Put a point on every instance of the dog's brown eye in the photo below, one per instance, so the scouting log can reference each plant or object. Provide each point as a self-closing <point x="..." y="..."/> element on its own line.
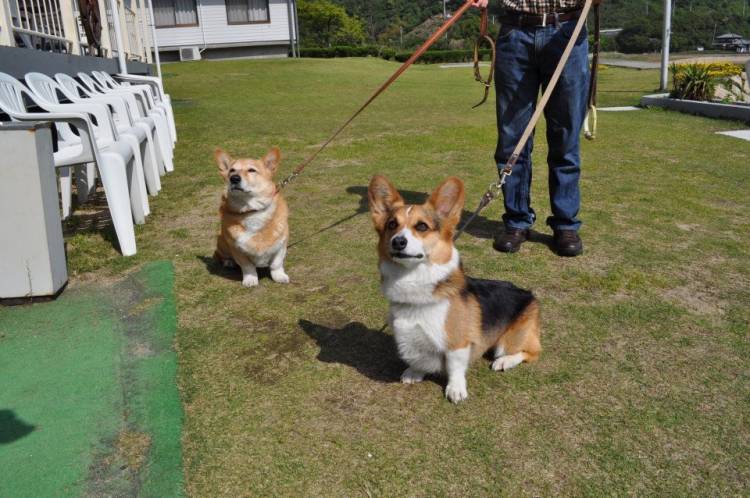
<point x="251" y="170"/>
<point x="392" y="224"/>
<point x="421" y="226"/>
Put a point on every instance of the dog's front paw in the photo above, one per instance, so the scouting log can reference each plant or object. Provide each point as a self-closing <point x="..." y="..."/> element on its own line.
<point x="456" y="391"/>
<point x="507" y="362"/>
<point x="279" y="276"/>
<point x="249" y="280"/>
<point x="411" y="376"/>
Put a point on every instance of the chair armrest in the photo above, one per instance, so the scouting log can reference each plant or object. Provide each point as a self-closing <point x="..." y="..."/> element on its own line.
<point x="98" y="110"/>
<point x="79" y="120"/>
<point x="149" y="80"/>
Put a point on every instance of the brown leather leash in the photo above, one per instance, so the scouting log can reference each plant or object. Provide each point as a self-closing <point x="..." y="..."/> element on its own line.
<point x="484" y="37"/>
<point x="493" y="191"/>
<point x="416" y="55"/>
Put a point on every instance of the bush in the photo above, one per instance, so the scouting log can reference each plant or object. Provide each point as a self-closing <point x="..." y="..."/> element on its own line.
<point x="343" y="51"/>
<point x="699" y="81"/>
<point x="442" y="56"/>
<point x="429" y="57"/>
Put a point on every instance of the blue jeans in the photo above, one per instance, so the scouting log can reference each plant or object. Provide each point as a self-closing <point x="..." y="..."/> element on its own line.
<point x="526" y="59"/>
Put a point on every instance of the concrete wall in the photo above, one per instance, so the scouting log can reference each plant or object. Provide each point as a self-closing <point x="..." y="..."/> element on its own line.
<point x="708" y="109"/>
<point x="244" y="52"/>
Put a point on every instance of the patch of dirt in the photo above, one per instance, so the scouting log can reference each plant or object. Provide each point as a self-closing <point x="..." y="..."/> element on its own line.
<point x="141" y="350"/>
<point x="701" y="302"/>
<point x="132" y="447"/>
<point x="268" y="363"/>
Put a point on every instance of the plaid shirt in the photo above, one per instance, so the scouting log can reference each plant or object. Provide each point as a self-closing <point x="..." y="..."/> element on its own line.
<point x="541" y="6"/>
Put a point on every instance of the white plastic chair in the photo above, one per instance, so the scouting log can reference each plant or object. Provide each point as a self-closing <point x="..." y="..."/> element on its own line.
<point x="125" y="123"/>
<point x="107" y="83"/>
<point x="45" y="89"/>
<point x="159" y="92"/>
<point x="138" y="103"/>
<point x="153" y="93"/>
<point x="136" y="108"/>
<point x="111" y="161"/>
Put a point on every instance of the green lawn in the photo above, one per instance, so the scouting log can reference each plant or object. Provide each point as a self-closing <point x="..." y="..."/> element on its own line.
<point x="643" y="386"/>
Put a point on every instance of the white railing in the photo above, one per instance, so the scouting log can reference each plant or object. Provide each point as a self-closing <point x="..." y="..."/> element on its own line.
<point x="39" y="24"/>
<point x="56" y="26"/>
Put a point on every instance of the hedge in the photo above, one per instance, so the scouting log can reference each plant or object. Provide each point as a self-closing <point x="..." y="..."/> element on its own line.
<point x="429" y="57"/>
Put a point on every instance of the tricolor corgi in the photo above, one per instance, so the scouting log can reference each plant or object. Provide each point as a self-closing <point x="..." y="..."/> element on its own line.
<point x="442" y="319"/>
<point x="254" y="227"/>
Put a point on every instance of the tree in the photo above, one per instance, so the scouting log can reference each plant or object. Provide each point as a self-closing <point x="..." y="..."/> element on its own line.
<point x="323" y="24"/>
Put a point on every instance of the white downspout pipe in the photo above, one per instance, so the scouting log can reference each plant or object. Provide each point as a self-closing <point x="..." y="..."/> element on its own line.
<point x="296" y="25"/>
<point x="154" y="43"/>
<point x="291" y="27"/>
<point x="666" y="36"/>
<point x="118" y="36"/>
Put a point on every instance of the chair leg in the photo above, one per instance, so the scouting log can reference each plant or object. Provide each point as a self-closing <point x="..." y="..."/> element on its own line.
<point x="85" y="181"/>
<point x="170" y="118"/>
<point x="150" y="168"/>
<point x="66" y="190"/>
<point x="137" y="182"/>
<point x="164" y="141"/>
<point x="155" y="152"/>
<point x="113" y="173"/>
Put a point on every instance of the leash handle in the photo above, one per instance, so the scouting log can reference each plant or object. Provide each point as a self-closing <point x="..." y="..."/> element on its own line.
<point x="589" y="124"/>
<point x="411" y="60"/>
<point x="484" y="37"/>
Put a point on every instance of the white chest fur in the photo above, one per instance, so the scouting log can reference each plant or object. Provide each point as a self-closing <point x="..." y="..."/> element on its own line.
<point x="416" y="315"/>
<point x="252" y="224"/>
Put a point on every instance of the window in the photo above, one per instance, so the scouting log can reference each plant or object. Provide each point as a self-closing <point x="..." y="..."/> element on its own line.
<point x="175" y="13"/>
<point x="247" y="11"/>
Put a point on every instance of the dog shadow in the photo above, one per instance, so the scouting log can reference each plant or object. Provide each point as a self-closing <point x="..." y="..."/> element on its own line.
<point x="369" y="351"/>
<point x="234" y="273"/>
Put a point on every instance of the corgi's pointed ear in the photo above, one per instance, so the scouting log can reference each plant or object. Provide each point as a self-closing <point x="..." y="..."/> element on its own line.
<point x="383" y="198"/>
<point x="272" y="159"/>
<point x="223" y="161"/>
<point x="448" y="200"/>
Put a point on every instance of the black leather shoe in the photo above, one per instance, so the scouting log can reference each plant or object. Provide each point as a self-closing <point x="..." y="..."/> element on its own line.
<point x="568" y="243"/>
<point x="510" y="240"/>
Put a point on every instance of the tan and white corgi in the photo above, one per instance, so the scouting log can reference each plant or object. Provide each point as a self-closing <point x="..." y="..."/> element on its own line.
<point x="442" y="319"/>
<point x="254" y="226"/>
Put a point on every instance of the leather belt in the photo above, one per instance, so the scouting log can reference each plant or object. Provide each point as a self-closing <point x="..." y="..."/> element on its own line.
<point x="524" y="20"/>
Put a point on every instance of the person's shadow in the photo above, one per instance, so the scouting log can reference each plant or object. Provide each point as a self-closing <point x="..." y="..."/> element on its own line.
<point x="12" y="428"/>
<point x="371" y="352"/>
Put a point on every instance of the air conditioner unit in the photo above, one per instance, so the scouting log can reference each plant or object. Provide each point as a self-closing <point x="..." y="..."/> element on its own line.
<point x="190" y="54"/>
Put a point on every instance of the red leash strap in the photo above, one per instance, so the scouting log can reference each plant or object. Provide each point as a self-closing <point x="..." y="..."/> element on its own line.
<point x="416" y="55"/>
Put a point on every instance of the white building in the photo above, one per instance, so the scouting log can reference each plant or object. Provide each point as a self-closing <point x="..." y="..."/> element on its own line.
<point x="224" y="28"/>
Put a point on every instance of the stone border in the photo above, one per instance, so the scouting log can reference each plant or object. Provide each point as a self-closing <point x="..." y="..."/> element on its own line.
<point x="708" y="109"/>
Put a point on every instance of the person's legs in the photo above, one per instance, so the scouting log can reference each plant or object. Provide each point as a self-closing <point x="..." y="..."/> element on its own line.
<point x="517" y="88"/>
<point x="564" y="114"/>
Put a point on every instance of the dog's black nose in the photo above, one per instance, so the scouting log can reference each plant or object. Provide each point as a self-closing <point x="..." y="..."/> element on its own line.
<point x="398" y="243"/>
<point x="235" y="179"/>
